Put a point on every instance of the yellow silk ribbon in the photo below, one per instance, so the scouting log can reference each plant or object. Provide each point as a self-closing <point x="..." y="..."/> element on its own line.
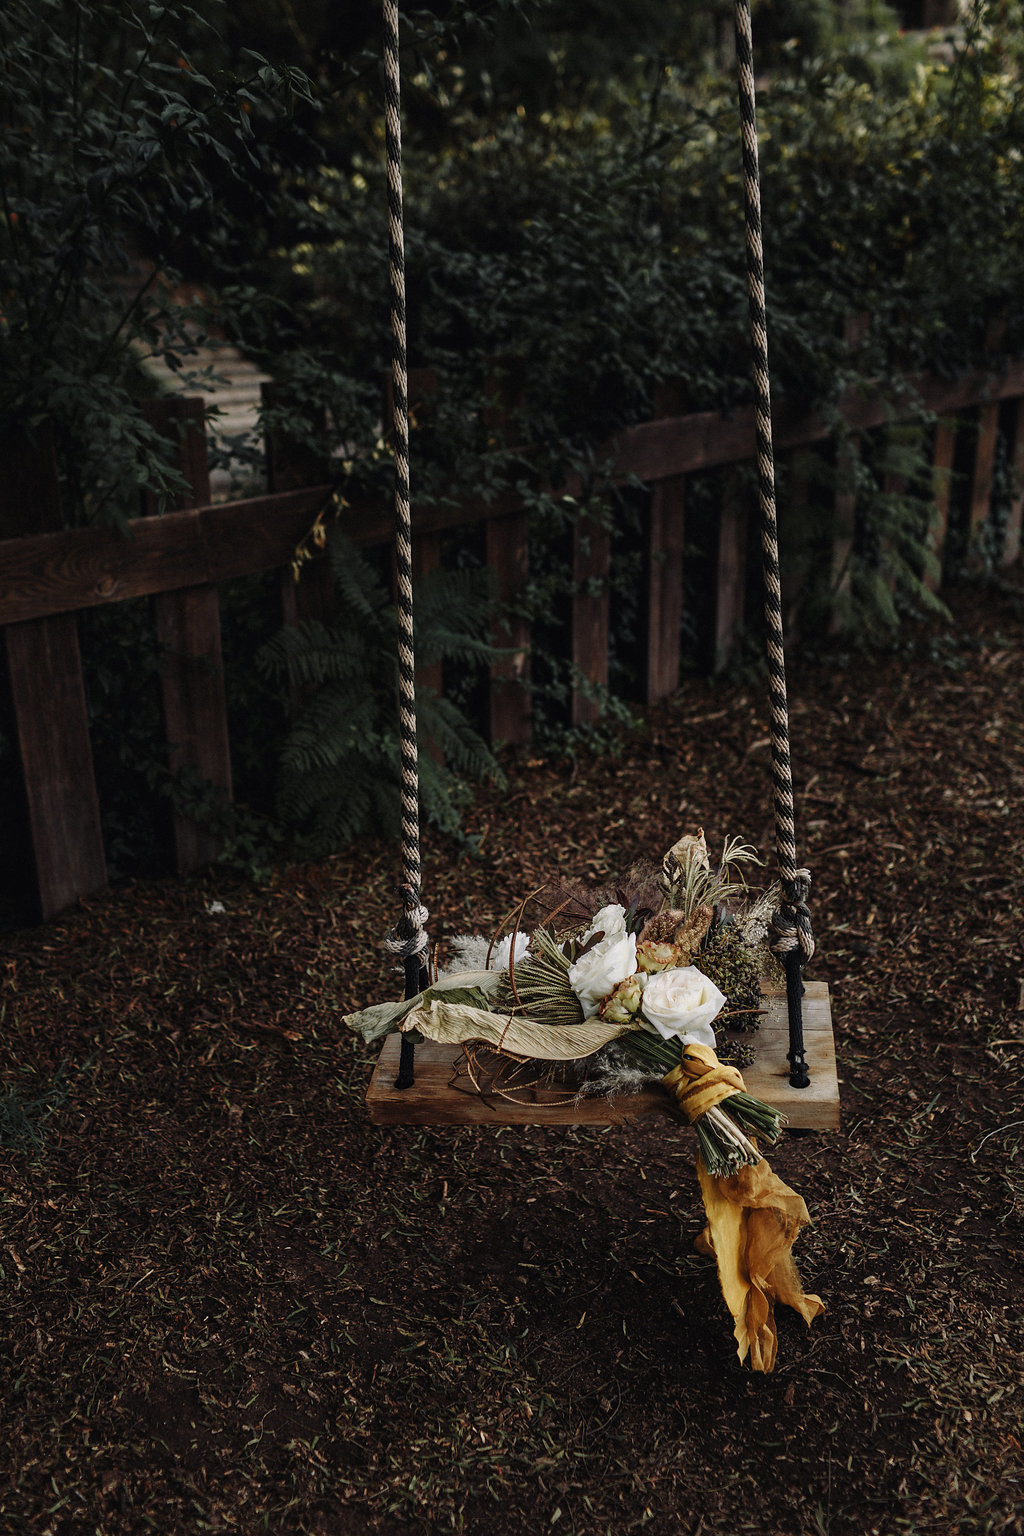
<point x="753" y="1220"/>
<point x="701" y="1081"/>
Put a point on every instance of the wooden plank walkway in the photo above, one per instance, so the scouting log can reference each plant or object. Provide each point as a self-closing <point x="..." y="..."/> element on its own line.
<point x="231" y="388"/>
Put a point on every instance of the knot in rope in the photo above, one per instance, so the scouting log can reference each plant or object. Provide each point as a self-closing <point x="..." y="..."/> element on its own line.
<point x="701" y="1081"/>
<point x="409" y="935"/>
<point x="791" y="924"/>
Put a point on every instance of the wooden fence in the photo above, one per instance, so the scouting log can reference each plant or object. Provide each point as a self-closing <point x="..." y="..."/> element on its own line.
<point x="180" y="558"/>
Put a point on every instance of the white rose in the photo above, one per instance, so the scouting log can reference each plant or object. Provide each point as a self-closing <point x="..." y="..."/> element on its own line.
<point x="600" y="970"/>
<point x="611" y="921"/>
<point x="682" y="1003"/>
<point x="500" y="958"/>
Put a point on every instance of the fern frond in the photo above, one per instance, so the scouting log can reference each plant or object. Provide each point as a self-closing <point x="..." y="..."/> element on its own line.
<point x="340" y="768"/>
<point x="440" y="792"/>
<point x="466" y="751"/>
<point x="386" y="797"/>
<point x="440" y="644"/>
<point x="301" y="797"/>
<point x="457" y="600"/>
<point x="340" y="817"/>
<point x="310" y="653"/>
<point x="359" y="587"/>
<point x="333" y="726"/>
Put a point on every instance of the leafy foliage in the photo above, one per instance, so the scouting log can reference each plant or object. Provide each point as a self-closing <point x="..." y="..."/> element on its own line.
<point x="567" y="259"/>
<point x="574" y="241"/>
<point x="340" y="766"/>
<point x="114" y="146"/>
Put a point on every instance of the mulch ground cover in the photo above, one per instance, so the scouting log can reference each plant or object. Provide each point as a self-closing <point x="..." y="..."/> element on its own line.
<point x="233" y="1305"/>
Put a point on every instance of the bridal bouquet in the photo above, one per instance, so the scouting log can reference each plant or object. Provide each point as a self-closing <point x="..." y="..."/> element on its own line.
<point x="626" y="984"/>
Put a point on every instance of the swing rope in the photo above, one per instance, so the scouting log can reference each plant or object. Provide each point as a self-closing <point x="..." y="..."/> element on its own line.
<point x="793" y="939"/>
<point x="408" y="938"/>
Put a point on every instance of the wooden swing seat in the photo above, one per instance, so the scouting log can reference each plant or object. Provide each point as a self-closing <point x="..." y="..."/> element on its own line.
<point x="434" y="1099"/>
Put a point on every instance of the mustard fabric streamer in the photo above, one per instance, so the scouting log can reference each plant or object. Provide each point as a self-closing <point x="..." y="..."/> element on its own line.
<point x="701" y="1082"/>
<point x="753" y="1221"/>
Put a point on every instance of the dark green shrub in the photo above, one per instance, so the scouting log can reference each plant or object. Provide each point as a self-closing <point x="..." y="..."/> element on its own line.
<point x="115" y="145"/>
<point x="340" y="763"/>
<point x="579" y="256"/>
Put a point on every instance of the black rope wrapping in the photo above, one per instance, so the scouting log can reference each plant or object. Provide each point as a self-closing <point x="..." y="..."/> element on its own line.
<point x="415" y="982"/>
<point x="408" y="937"/>
<point x="792" y="923"/>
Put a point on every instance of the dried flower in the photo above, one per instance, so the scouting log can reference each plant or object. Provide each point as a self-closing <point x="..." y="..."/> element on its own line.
<point x="654" y="955"/>
<point x="624" y="1003"/>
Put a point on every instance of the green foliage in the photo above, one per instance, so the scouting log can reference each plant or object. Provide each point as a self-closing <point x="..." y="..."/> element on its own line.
<point x="249" y="840"/>
<point x="114" y="145"/>
<point x="574" y="255"/>
<point x="574" y="206"/>
<point x="340" y="764"/>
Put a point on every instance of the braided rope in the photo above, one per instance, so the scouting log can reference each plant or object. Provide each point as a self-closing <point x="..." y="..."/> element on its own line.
<point x="792" y="923"/>
<point x="410" y="928"/>
<point x="409" y="935"/>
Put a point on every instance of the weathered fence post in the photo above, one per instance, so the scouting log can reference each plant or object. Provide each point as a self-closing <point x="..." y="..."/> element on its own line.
<point x="894" y="485"/>
<point x="188" y="633"/>
<point x="984" y="456"/>
<point x="508" y="555"/>
<point x="1012" y="540"/>
<point x="730" y="575"/>
<point x="591" y="563"/>
<point x="665" y="586"/>
<point x="48" y="696"/>
<point x="665" y="570"/>
<point x="507" y="552"/>
<point x="844" y="523"/>
<point x="943" y="454"/>
<point x="981" y="484"/>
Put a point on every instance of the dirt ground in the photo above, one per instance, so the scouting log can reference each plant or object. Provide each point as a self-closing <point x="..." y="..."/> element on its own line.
<point x="233" y="1305"/>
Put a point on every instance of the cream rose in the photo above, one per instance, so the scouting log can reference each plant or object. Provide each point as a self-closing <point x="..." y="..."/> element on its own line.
<point x="600" y="970"/>
<point x="610" y="921"/>
<point x="682" y="1003"/>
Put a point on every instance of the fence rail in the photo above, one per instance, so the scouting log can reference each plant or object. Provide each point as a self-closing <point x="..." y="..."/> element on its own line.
<point x="179" y="559"/>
